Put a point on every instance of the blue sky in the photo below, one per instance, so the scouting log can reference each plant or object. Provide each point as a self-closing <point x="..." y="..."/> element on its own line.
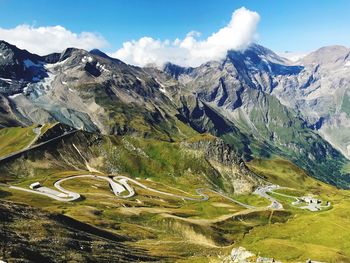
<point x="284" y="25"/>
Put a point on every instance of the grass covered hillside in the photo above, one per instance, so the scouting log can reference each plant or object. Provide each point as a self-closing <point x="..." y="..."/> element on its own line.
<point x="168" y="228"/>
<point x="321" y="236"/>
<point x="18" y="138"/>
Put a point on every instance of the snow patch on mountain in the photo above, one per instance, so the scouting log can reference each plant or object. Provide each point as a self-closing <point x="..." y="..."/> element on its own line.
<point x="102" y="67"/>
<point x="39" y="86"/>
<point x="15" y="95"/>
<point x="87" y="59"/>
<point x="6" y="80"/>
<point x="293" y="56"/>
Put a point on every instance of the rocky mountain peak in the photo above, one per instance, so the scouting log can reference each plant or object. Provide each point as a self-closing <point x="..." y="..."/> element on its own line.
<point x="175" y="70"/>
<point x="17" y="64"/>
<point x="327" y="55"/>
<point x="266" y="53"/>
<point x="68" y="52"/>
<point x="99" y="53"/>
<point x="11" y="53"/>
<point x="257" y="58"/>
<point x="249" y="97"/>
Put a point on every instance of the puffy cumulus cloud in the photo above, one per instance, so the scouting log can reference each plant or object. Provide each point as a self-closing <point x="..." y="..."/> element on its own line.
<point x="191" y="51"/>
<point x="45" y="40"/>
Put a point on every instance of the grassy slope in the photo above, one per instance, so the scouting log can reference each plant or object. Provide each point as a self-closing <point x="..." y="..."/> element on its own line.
<point x="283" y="173"/>
<point x="185" y="228"/>
<point x="194" y="230"/>
<point x="47" y="237"/>
<point x="321" y="236"/>
<point x="17" y="138"/>
<point x="278" y="131"/>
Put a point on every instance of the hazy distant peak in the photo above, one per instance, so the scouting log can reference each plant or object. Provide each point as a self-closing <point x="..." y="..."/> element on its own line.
<point x="293" y="56"/>
<point x="327" y="55"/>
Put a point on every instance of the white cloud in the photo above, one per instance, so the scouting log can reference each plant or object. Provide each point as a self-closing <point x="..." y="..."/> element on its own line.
<point x="293" y="56"/>
<point x="191" y="51"/>
<point x="45" y="40"/>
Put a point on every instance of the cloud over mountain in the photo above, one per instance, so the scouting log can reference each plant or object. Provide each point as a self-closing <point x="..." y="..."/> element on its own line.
<point x="44" y="40"/>
<point x="193" y="51"/>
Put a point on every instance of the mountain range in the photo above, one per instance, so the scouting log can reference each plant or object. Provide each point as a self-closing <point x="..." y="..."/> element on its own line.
<point x="261" y="104"/>
<point x="244" y="157"/>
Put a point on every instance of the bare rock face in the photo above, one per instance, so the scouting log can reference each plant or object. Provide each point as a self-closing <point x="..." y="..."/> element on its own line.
<point x="258" y="102"/>
<point x="86" y="90"/>
<point x="17" y="64"/>
<point x="230" y="166"/>
<point x="321" y="93"/>
<point x="273" y="106"/>
<point x="218" y="151"/>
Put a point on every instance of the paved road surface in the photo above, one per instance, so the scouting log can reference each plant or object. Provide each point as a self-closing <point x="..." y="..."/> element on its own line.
<point x="263" y="190"/>
<point x="56" y="197"/>
<point x="310" y="206"/>
<point x="203" y="197"/>
<point x="119" y="184"/>
<point x="233" y="200"/>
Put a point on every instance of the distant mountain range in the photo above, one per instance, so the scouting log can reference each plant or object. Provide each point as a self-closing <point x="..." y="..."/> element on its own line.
<point x="260" y="103"/>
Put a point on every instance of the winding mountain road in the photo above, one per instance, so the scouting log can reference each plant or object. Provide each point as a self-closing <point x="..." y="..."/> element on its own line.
<point x="263" y="192"/>
<point x="124" y="180"/>
<point x="119" y="184"/>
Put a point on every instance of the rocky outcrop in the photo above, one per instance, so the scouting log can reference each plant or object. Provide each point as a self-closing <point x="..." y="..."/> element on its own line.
<point x="237" y="177"/>
<point x="18" y="64"/>
<point x="218" y="151"/>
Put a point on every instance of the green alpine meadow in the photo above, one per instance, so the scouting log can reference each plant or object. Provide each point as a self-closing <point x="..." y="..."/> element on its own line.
<point x="149" y="131"/>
